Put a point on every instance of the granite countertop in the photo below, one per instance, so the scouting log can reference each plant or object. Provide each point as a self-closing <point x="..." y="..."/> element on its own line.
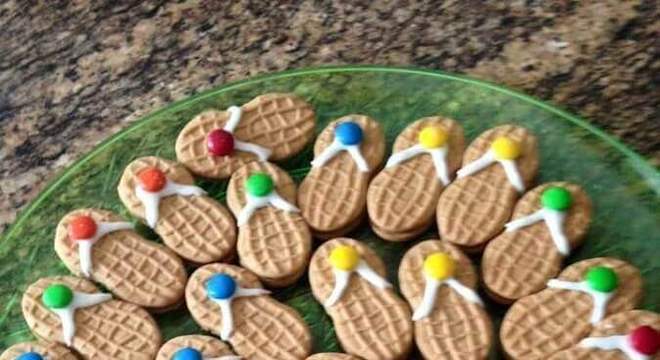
<point x="73" y="73"/>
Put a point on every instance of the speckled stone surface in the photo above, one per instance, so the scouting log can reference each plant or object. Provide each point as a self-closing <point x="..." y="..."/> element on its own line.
<point x="73" y="73"/>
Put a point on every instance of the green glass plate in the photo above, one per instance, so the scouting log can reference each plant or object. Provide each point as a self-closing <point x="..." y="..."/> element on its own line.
<point x="624" y="188"/>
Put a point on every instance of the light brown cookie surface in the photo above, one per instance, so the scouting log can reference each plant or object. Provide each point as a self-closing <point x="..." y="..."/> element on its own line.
<point x="113" y="329"/>
<point x="197" y="228"/>
<point x="402" y="199"/>
<point x="456" y="328"/>
<point x="132" y="268"/>
<point x="283" y="123"/>
<point x="262" y="327"/>
<point x="369" y="322"/>
<point x="551" y="320"/>
<point x="332" y="197"/>
<point x="46" y="350"/>
<point x="208" y="346"/>
<point x="520" y="262"/>
<point x="473" y="209"/>
<point x="274" y="244"/>
<point x="332" y="356"/>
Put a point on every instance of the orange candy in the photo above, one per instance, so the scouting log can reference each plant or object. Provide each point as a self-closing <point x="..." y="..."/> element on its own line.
<point x="152" y="179"/>
<point x="82" y="227"/>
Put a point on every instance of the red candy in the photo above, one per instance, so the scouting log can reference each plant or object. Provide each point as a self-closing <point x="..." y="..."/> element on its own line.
<point x="220" y="142"/>
<point x="152" y="179"/>
<point x="645" y="340"/>
<point x="82" y="227"/>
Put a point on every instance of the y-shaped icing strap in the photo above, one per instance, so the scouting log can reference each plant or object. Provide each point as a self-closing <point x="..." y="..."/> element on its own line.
<point x="432" y="140"/>
<point x="63" y="301"/>
<point x="85" y="244"/>
<point x="260" y="192"/>
<point x="348" y="137"/>
<point x="234" y="118"/>
<point x="222" y="289"/>
<point x="504" y="151"/>
<point x="616" y="342"/>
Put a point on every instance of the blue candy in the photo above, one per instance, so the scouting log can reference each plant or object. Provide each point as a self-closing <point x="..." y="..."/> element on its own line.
<point x="348" y="133"/>
<point x="31" y="356"/>
<point x="187" y="353"/>
<point x="220" y="286"/>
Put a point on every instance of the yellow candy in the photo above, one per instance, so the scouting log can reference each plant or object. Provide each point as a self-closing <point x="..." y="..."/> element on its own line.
<point x="505" y="148"/>
<point x="344" y="257"/>
<point x="439" y="266"/>
<point x="432" y="137"/>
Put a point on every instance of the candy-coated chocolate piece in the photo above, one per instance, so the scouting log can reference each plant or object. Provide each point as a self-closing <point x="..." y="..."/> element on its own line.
<point x="440" y="266"/>
<point x="432" y="137"/>
<point x="220" y="142"/>
<point x="30" y="356"/>
<point x="505" y="148"/>
<point x="556" y="198"/>
<point x="645" y="340"/>
<point x="349" y="133"/>
<point x="221" y="286"/>
<point x="57" y="296"/>
<point x="601" y="278"/>
<point x="259" y="184"/>
<point x="187" y="354"/>
<point x="344" y="258"/>
<point x="152" y="179"/>
<point x="82" y="227"/>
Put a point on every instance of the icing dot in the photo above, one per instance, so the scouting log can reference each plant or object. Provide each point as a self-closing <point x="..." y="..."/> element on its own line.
<point x="187" y="353"/>
<point x="82" y="227"/>
<point x="348" y="133"/>
<point x="259" y="184"/>
<point x="432" y="137"/>
<point x="344" y="257"/>
<point x="221" y="286"/>
<point x="645" y="340"/>
<point x="30" y="356"/>
<point x="220" y="142"/>
<point x="601" y="278"/>
<point x="152" y="179"/>
<point x="57" y="296"/>
<point x="505" y="148"/>
<point x="556" y="198"/>
<point x="440" y="266"/>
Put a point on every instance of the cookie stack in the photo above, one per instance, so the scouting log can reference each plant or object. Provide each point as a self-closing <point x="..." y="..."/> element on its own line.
<point x="272" y="232"/>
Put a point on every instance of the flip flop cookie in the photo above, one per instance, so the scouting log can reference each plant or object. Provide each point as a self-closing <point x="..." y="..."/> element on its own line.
<point x="556" y="318"/>
<point x="100" y="246"/>
<point x="195" y="347"/>
<point x="270" y="127"/>
<point x="547" y="223"/>
<point x="402" y="198"/>
<point x="332" y="356"/>
<point x="371" y="321"/>
<point x="162" y="193"/>
<point x="71" y="311"/>
<point x="497" y="167"/>
<point x="37" y="351"/>
<point x="230" y="302"/>
<point x="333" y="196"/>
<point x="439" y="282"/>
<point x="274" y="241"/>
<point x="630" y="335"/>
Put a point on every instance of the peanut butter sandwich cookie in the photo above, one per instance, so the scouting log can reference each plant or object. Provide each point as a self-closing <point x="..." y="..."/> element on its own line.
<point x="629" y="335"/>
<point x="402" y="198"/>
<point x="37" y="351"/>
<point x="547" y="223"/>
<point x="274" y="242"/>
<point x="332" y="356"/>
<point x="163" y="194"/>
<point x="558" y="317"/>
<point x="440" y="283"/>
<point x="98" y="245"/>
<point x="333" y="195"/>
<point x="497" y="168"/>
<point x="370" y="319"/>
<point x="71" y="311"/>
<point x="230" y="302"/>
<point x="270" y="127"/>
<point x="196" y="347"/>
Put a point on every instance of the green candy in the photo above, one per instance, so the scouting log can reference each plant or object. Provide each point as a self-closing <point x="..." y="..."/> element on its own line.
<point x="556" y="198"/>
<point x="601" y="278"/>
<point x="57" y="296"/>
<point x="259" y="184"/>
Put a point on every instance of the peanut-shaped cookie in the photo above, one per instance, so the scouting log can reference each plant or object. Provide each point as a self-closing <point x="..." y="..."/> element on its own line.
<point x="195" y="347"/>
<point x="37" y="351"/>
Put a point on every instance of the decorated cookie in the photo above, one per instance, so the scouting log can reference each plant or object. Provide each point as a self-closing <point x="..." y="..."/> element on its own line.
<point x="273" y="240"/>
<point x="629" y="335"/>
<point x="402" y="198"/>
<point x="558" y="317"/>
<point x="269" y="127"/>
<point x="230" y="302"/>
<point x="37" y="351"/>
<point x="440" y="284"/>
<point x="195" y="347"/>
<point x="72" y="311"/>
<point x="497" y="168"/>
<point x="547" y="223"/>
<point x="347" y="153"/>
<point x="162" y="193"/>
<point x="370" y="319"/>
<point x="332" y="356"/>
<point x="99" y="245"/>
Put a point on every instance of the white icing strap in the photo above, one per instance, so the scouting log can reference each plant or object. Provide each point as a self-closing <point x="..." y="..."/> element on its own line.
<point x="616" y="342"/>
<point x="225" y="308"/>
<point x="487" y="159"/>
<point x="431" y="291"/>
<point x="335" y="148"/>
<point x="261" y="152"/>
<point x="600" y="299"/>
<point x="66" y="315"/>
<point x="256" y="202"/>
<point x="553" y="219"/>
<point x="342" y="278"/>
<point x="438" y="156"/>
<point x="85" y="245"/>
<point x="151" y="200"/>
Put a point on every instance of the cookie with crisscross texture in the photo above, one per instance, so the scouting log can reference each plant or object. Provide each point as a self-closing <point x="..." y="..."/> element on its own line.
<point x="32" y="350"/>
